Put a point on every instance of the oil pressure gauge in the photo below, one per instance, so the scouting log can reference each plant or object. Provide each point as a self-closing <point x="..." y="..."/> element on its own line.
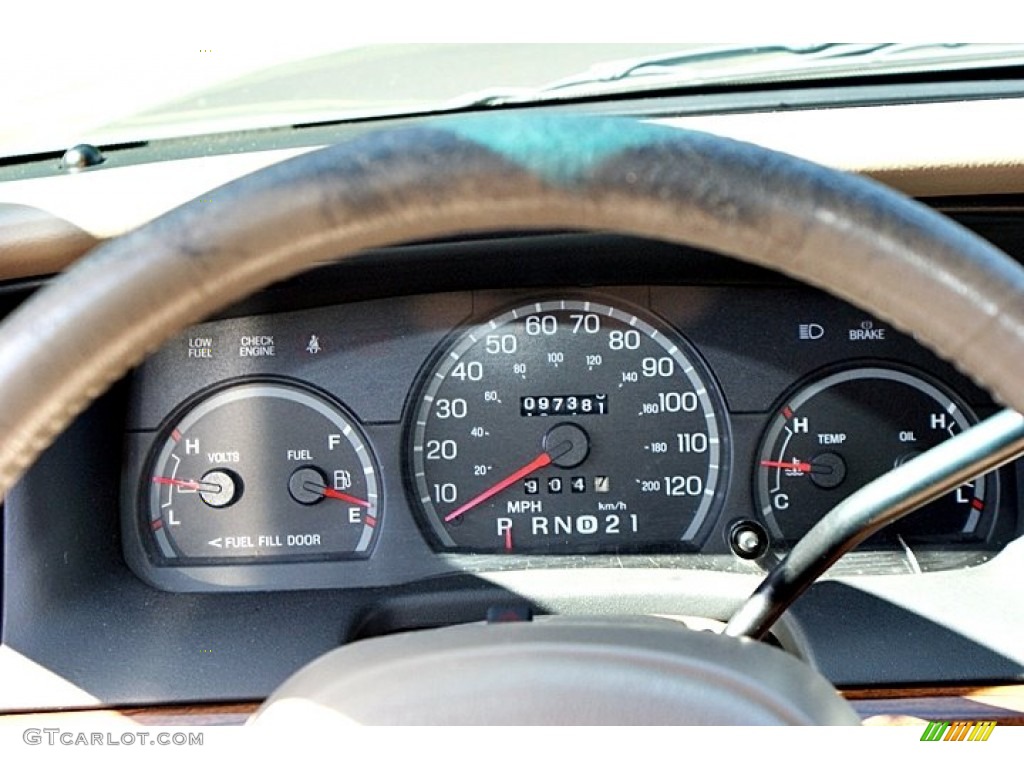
<point x="842" y="430"/>
<point x="261" y="471"/>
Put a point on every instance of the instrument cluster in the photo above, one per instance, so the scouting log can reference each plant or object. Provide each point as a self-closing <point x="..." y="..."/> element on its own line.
<point x="396" y="439"/>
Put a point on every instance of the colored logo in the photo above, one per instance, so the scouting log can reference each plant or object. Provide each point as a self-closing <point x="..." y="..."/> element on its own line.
<point x="958" y="731"/>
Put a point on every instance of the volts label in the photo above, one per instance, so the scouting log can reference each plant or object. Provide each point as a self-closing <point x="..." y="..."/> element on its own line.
<point x="224" y="457"/>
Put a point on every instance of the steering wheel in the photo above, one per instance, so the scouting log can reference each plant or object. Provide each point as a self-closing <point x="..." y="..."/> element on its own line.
<point x="862" y="242"/>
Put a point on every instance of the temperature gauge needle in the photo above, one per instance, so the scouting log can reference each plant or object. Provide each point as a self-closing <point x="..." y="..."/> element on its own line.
<point x="538" y="463"/>
<point x="330" y="493"/>
<point x="799" y="466"/>
<point x="818" y="469"/>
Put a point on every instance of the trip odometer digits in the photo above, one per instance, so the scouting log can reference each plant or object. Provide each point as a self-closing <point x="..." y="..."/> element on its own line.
<point x="568" y="426"/>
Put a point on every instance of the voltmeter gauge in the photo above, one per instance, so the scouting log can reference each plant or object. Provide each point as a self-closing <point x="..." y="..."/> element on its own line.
<point x="261" y="471"/>
<point x="842" y="430"/>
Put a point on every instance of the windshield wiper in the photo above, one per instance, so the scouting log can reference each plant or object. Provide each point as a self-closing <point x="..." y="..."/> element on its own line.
<point x="711" y="65"/>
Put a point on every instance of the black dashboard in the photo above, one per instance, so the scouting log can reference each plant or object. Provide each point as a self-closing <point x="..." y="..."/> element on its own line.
<point x="222" y="421"/>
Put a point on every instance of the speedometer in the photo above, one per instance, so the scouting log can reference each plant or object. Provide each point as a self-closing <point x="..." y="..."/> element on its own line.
<point x="568" y="426"/>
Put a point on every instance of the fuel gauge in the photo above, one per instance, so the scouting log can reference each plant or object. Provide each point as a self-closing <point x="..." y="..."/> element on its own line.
<point x="843" y="430"/>
<point x="261" y="471"/>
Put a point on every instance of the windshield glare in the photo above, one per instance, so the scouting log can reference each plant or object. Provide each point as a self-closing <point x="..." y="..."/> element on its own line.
<point x="109" y="100"/>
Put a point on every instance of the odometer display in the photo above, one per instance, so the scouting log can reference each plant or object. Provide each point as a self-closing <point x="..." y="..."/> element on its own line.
<point x="563" y="405"/>
<point x="567" y="427"/>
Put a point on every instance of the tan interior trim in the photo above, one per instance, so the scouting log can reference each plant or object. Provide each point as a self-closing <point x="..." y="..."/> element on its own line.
<point x="924" y="150"/>
<point x="107" y="202"/>
<point x="34" y="242"/>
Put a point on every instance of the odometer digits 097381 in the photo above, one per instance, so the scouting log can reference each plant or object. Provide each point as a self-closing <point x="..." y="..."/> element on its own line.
<point x="568" y="426"/>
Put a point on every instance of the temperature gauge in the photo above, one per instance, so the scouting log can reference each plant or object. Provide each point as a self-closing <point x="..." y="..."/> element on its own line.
<point x="841" y="431"/>
<point x="261" y="471"/>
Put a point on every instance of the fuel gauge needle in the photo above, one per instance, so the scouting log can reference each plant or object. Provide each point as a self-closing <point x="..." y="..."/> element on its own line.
<point x="330" y="493"/>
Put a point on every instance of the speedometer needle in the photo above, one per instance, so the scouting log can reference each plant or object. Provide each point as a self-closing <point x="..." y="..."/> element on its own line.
<point x="538" y="463"/>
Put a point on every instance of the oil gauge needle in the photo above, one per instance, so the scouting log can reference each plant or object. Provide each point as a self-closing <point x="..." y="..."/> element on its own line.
<point x="540" y="462"/>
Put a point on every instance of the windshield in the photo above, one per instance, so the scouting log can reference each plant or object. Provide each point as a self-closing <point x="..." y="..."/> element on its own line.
<point x="112" y="100"/>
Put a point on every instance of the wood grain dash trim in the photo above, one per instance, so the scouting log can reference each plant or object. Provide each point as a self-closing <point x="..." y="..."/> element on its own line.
<point x="913" y="706"/>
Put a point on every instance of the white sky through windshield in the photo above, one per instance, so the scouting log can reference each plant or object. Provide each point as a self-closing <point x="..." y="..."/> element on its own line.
<point x="69" y="71"/>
